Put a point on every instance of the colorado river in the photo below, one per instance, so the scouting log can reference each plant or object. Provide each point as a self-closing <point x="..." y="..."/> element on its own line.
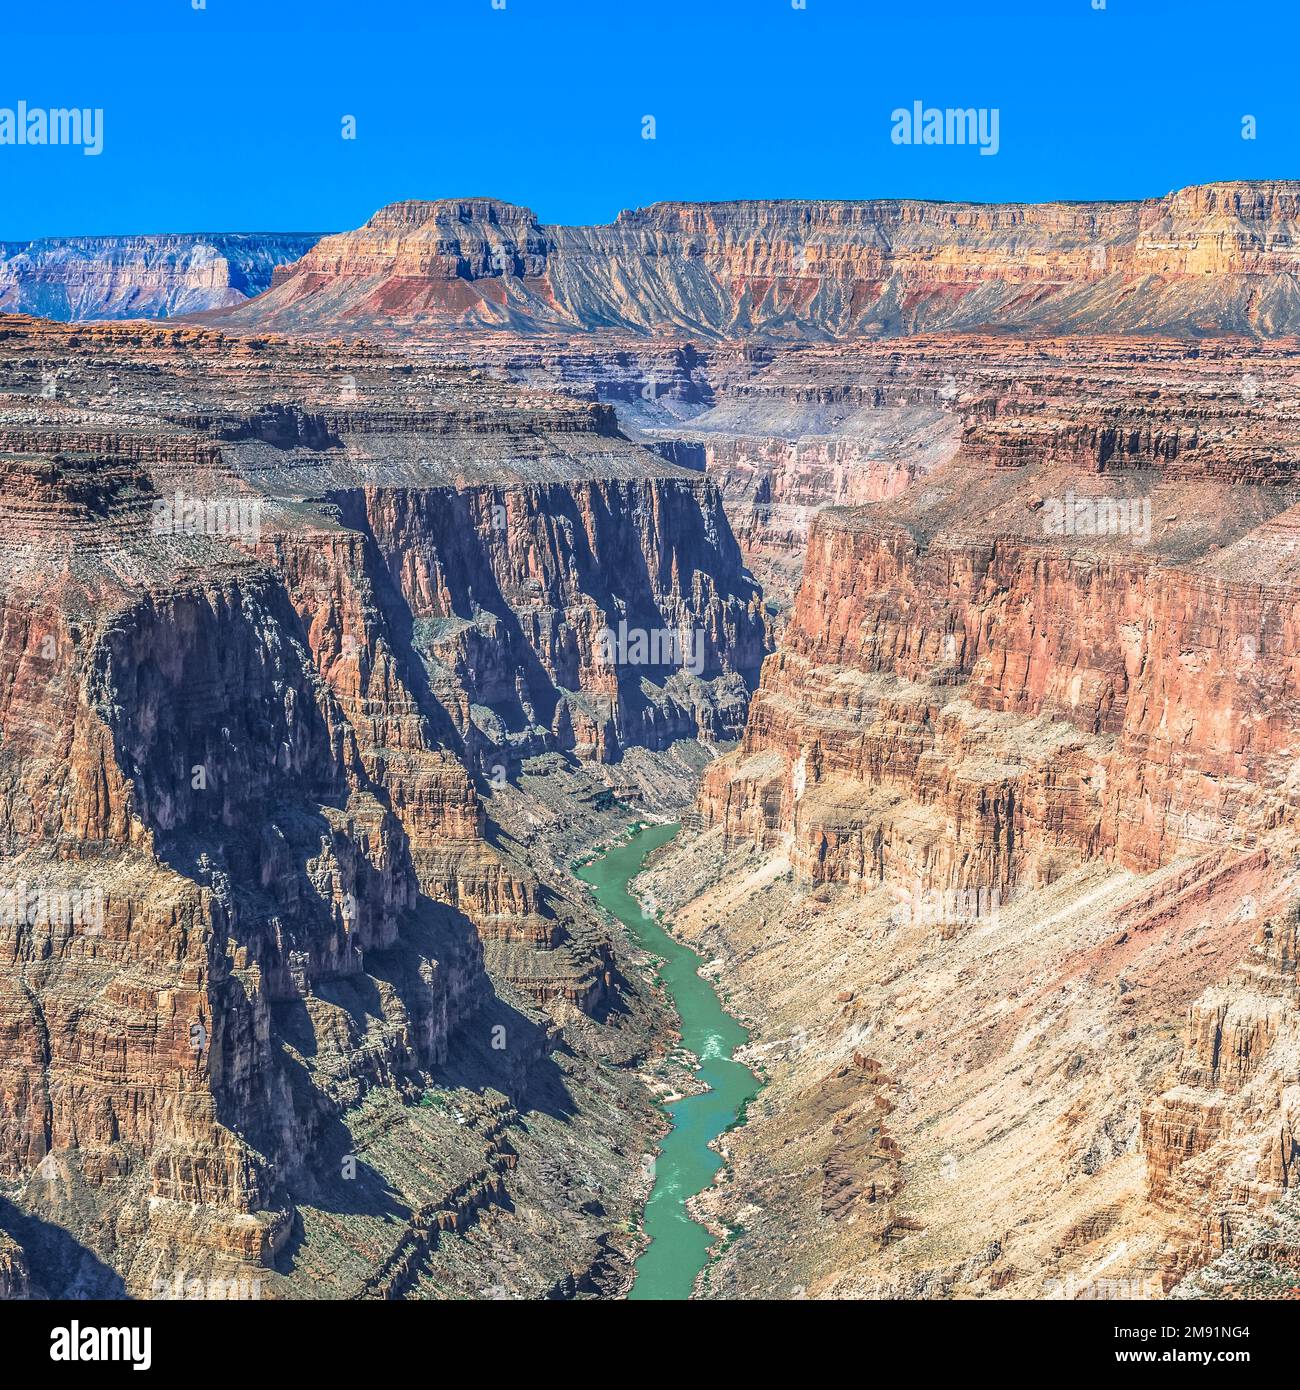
<point x="686" y="1165"/>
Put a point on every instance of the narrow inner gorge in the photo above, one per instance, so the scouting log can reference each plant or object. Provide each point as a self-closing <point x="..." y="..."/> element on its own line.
<point x="686" y="1163"/>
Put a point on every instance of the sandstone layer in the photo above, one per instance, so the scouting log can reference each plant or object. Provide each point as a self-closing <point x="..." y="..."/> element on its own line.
<point x="1003" y="870"/>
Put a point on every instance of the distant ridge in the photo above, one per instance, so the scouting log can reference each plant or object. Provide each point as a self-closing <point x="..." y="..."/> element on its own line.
<point x="1210" y="259"/>
<point x="130" y="277"/>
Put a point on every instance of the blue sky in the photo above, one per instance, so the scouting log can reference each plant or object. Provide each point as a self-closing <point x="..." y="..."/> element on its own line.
<point x="228" y="118"/>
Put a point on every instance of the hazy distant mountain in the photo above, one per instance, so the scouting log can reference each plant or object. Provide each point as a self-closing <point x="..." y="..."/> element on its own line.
<point x="130" y="277"/>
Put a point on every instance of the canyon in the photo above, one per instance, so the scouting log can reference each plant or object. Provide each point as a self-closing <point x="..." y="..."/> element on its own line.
<point x="752" y="338"/>
<point x="327" y="1014"/>
<point x="985" y="520"/>
<point x="1025" y="802"/>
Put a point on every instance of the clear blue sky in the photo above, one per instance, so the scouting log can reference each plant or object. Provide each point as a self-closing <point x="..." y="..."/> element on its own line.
<point x="228" y="118"/>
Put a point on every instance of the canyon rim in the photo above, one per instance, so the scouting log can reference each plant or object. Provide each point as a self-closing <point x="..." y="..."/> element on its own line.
<point x="739" y="749"/>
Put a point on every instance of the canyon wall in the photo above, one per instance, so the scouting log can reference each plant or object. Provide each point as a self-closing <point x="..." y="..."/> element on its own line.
<point x="282" y="1006"/>
<point x="1018" y="786"/>
<point x="984" y="597"/>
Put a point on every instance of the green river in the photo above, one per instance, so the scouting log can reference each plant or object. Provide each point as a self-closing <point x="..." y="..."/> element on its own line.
<point x="686" y="1165"/>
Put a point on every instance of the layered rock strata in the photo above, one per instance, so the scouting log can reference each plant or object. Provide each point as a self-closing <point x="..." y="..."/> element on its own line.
<point x="1219" y="257"/>
<point x="1015" y="797"/>
<point x="284" y="1013"/>
<point x="141" y="277"/>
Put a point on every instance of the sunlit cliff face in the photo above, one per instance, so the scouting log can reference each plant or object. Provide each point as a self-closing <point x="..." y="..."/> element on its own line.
<point x="1216" y="258"/>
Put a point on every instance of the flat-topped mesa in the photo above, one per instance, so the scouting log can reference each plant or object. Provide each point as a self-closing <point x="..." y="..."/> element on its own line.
<point x="1218" y="228"/>
<point x="1213" y="259"/>
<point x="445" y="239"/>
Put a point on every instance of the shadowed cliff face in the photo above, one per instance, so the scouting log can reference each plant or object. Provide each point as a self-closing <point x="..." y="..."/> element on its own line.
<point x="1217" y="258"/>
<point x="281" y="1005"/>
<point x="141" y="277"/>
<point x="510" y="590"/>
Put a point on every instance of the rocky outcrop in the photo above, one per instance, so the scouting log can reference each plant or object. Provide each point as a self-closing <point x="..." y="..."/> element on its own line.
<point x="1044" y="656"/>
<point x="788" y="429"/>
<point x="1207" y="259"/>
<point x="1221" y="1143"/>
<point x="142" y="277"/>
<point x="518" y="627"/>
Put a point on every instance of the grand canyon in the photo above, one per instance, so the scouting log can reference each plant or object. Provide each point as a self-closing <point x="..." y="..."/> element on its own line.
<point x="922" y="577"/>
